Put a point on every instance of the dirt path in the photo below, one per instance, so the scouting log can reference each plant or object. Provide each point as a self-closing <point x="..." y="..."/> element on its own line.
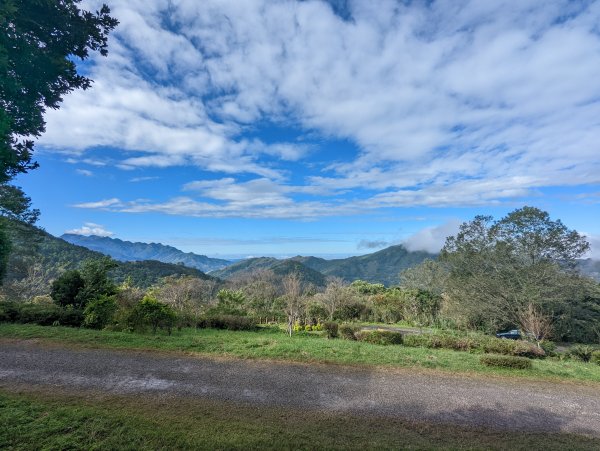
<point x="474" y="401"/>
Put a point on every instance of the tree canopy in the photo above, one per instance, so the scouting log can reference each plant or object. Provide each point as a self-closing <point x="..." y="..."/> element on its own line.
<point x="38" y="43"/>
<point x="498" y="269"/>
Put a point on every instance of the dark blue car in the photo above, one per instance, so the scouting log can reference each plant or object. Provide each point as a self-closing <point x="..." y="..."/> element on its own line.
<point x="511" y="334"/>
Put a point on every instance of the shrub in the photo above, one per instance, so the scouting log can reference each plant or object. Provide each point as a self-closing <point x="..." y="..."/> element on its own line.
<point x="65" y="290"/>
<point x="331" y="328"/>
<point x="506" y="361"/>
<point x="549" y="347"/>
<point x="150" y="312"/>
<point x="348" y="331"/>
<point x="99" y="312"/>
<point x="380" y="337"/>
<point x="43" y="314"/>
<point x="417" y="341"/>
<point x="595" y="357"/>
<point x="9" y="312"/>
<point x="229" y="322"/>
<point x="582" y="352"/>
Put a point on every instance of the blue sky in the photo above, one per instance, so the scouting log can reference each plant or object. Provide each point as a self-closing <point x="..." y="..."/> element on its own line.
<point x="327" y="128"/>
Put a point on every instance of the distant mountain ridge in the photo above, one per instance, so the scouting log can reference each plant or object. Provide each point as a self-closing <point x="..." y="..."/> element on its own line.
<point x="56" y="254"/>
<point x="383" y="266"/>
<point x="135" y="251"/>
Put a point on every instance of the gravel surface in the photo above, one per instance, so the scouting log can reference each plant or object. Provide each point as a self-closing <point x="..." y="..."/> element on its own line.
<point x="473" y="401"/>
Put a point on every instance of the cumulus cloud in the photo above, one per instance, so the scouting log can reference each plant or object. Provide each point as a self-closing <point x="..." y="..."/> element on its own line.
<point x="90" y="228"/>
<point x="431" y="239"/>
<point x="448" y="103"/>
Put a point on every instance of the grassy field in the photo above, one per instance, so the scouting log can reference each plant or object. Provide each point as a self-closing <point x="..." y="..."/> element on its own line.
<point x="40" y="420"/>
<point x="272" y="343"/>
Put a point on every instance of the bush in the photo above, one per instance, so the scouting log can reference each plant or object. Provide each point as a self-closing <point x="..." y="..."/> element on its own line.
<point x="549" y="347"/>
<point x="380" y="337"/>
<point x="417" y="341"/>
<point x="505" y="361"/>
<point x="595" y="357"/>
<point x="150" y="312"/>
<point x="43" y="315"/>
<point x="348" y="331"/>
<point x="99" y="312"/>
<point x="582" y="352"/>
<point x="228" y="322"/>
<point x="331" y="328"/>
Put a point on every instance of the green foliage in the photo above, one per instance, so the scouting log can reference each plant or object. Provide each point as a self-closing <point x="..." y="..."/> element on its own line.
<point x="230" y="302"/>
<point x="99" y="312"/>
<point x="582" y="352"/>
<point x="363" y="287"/>
<point x="497" y="268"/>
<point x="315" y="312"/>
<point x="228" y="322"/>
<point x="38" y="45"/>
<point x="595" y="357"/>
<point x="150" y="312"/>
<point x="96" y="282"/>
<point x="504" y="361"/>
<point x="65" y="290"/>
<point x="379" y="337"/>
<point x="352" y="311"/>
<point x="331" y="329"/>
<point x="5" y="248"/>
<point x="43" y="315"/>
<point x="473" y="342"/>
<point x="349" y="331"/>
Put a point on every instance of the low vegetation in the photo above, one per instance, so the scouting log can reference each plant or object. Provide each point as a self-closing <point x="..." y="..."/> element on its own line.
<point x="57" y="421"/>
<point x="272" y="343"/>
<point x="504" y="361"/>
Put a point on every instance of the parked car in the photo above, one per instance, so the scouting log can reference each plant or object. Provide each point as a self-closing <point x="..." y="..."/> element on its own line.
<point x="514" y="334"/>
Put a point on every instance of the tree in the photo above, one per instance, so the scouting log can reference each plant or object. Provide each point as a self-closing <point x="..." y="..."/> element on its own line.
<point x="335" y="296"/>
<point x="39" y="41"/>
<point x="65" y="290"/>
<point x="292" y="288"/>
<point x="94" y="273"/>
<point x="535" y="323"/>
<point x="149" y="311"/>
<point x="429" y="275"/>
<point x="99" y="312"/>
<point x="496" y="269"/>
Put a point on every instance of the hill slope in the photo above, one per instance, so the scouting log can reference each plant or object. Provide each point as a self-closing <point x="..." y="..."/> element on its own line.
<point x="55" y="253"/>
<point x="379" y="267"/>
<point x="383" y="266"/>
<point x="128" y="251"/>
<point x="280" y="268"/>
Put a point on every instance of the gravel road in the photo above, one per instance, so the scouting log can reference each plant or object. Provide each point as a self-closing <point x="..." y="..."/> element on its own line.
<point x="474" y="401"/>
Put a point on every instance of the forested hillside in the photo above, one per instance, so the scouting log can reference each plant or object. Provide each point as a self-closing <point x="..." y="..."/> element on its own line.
<point x="34" y="246"/>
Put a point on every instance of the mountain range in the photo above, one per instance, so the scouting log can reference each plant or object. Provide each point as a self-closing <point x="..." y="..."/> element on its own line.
<point x="383" y="266"/>
<point x="128" y="251"/>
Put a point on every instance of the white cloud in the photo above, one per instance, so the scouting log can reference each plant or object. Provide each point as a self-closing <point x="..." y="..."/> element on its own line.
<point x="143" y="179"/>
<point x="84" y="172"/>
<point x="594" y="241"/>
<point x="114" y="202"/>
<point x="452" y="102"/>
<point x="432" y="239"/>
<point x="89" y="228"/>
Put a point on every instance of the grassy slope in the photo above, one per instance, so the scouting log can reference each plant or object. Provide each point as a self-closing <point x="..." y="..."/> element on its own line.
<point x="40" y="420"/>
<point x="302" y="347"/>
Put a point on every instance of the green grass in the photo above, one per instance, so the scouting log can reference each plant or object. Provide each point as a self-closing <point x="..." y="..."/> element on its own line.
<point x="272" y="343"/>
<point x="42" y="420"/>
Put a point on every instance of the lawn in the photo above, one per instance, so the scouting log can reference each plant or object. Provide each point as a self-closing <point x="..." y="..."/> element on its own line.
<point x="41" y="420"/>
<point x="273" y="343"/>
